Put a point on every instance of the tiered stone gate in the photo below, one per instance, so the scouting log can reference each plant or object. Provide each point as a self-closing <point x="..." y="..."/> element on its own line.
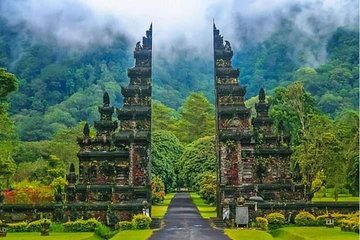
<point x="114" y="167"/>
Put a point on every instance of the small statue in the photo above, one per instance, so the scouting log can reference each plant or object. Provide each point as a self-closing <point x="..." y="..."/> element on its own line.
<point x="227" y="46"/>
<point x="138" y="46"/>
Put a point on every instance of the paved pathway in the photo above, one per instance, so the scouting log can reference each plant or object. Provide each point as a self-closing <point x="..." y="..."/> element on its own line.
<point x="183" y="221"/>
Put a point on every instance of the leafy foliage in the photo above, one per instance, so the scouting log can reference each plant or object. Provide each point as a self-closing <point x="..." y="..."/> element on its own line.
<point x="196" y="118"/>
<point x="141" y="221"/>
<point x="198" y="157"/>
<point x="125" y="225"/>
<point x="305" y="219"/>
<point x="29" y="193"/>
<point x="207" y="186"/>
<point x="104" y="232"/>
<point x="157" y="189"/>
<point x="262" y="223"/>
<point x="275" y="219"/>
<point x="81" y="225"/>
<point x="166" y="150"/>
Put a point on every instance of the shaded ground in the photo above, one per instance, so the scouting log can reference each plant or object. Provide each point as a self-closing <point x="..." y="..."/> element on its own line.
<point x="183" y="221"/>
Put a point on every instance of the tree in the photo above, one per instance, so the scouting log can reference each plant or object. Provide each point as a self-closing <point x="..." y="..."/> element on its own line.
<point x="293" y="107"/>
<point x="163" y="117"/>
<point x="320" y="151"/>
<point x="347" y="125"/>
<point x="7" y="169"/>
<point x="8" y="136"/>
<point x="196" y="118"/>
<point x="8" y="83"/>
<point x="198" y="157"/>
<point x="166" y="151"/>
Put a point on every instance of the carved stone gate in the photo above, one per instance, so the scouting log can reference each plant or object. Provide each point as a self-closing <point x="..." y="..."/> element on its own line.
<point x="253" y="162"/>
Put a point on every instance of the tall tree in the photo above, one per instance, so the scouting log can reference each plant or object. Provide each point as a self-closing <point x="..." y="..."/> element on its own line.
<point x="166" y="151"/>
<point x="196" y="118"/>
<point x="293" y="107"/>
<point x="198" y="157"/>
<point x="163" y="117"/>
<point x="8" y="137"/>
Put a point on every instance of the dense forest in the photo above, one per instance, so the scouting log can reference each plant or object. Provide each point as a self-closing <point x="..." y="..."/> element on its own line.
<point x="55" y="89"/>
<point x="60" y="86"/>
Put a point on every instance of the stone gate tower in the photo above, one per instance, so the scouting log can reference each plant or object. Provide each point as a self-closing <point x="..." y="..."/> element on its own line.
<point x="114" y="166"/>
<point x="253" y="162"/>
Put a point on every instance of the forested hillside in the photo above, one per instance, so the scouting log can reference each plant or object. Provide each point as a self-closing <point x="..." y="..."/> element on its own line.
<point x="61" y="86"/>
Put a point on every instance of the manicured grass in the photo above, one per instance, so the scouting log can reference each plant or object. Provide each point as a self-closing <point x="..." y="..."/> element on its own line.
<point x="206" y="210"/>
<point x="245" y="234"/>
<point x="159" y="210"/>
<point x="313" y="233"/>
<point x="53" y="236"/>
<point x="133" y="235"/>
<point x="292" y="233"/>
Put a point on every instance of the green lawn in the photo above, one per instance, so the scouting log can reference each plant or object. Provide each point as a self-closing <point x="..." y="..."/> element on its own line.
<point x="245" y="234"/>
<point x="53" y="236"/>
<point x="313" y="233"/>
<point x="293" y="233"/>
<point x="159" y="210"/>
<point x="133" y="235"/>
<point x="206" y="210"/>
<point x="122" y="235"/>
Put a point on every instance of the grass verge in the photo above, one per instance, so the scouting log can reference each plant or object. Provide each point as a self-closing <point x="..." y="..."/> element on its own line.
<point x="245" y="234"/>
<point x="159" y="210"/>
<point x="53" y="236"/>
<point x="206" y="210"/>
<point x="292" y="233"/>
<point x="133" y="235"/>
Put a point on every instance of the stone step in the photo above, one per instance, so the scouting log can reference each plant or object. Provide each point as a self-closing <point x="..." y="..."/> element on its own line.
<point x="218" y="223"/>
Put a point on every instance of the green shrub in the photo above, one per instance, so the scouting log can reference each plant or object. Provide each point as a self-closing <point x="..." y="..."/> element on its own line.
<point x="321" y="220"/>
<point x="81" y="225"/>
<point x="157" y="189"/>
<point x="275" y="219"/>
<point x="305" y="219"/>
<point x="36" y="226"/>
<point x="207" y="186"/>
<point x="141" y="221"/>
<point x="262" y="223"/>
<point x="338" y="217"/>
<point x="350" y="225"/>
<point x="125" y="225"/>
<point x="56" y="227"/>
<point x="104" y="232"/>
<point x="18" y="227"/>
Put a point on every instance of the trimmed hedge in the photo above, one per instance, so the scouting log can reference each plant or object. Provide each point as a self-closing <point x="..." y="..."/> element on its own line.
<point x="18" y="227"/>
<point x="262" y="223"/>
<point x="141" y="221"/>
<point x="351" y="225"/>
<point x="305" y="219"/>
<point x="275" y="219"/>
<point x="34" y="226"/>
<point x="81" y="225"/>
<point x="125" y="225"/>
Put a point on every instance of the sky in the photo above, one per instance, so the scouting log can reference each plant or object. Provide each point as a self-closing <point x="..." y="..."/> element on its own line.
<point x="178" y="23"/>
